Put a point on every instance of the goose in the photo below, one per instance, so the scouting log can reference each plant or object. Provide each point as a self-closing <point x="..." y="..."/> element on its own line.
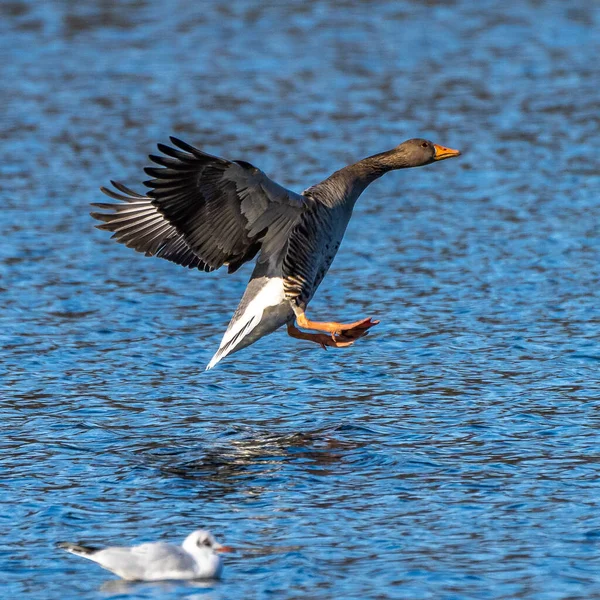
<point x="204" y="212"/>
<point x="197" y="558"/>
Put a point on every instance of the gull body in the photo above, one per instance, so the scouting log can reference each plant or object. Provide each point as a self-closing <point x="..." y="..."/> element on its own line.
<point x="196" y="558"/>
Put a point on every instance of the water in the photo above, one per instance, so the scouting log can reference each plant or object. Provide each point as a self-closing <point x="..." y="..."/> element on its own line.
<point x="452" y="454"/>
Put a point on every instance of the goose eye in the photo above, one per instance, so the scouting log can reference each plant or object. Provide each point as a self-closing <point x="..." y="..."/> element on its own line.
<point x="424" y="145"/>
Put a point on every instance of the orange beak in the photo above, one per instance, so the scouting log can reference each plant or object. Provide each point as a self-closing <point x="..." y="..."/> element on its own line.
<point x="220" y="548"/>
<point x="441" y="152"/>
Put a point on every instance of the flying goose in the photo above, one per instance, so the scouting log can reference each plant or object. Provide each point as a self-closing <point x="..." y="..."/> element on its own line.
<point x="206" y="212"/>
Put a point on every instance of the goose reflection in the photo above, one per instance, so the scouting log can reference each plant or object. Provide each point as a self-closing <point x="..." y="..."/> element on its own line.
<point x="258" y="455"/>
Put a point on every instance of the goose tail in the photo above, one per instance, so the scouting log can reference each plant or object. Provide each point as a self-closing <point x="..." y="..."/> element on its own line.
<point x="254" y="317"/>
<point x="232" y="342"/>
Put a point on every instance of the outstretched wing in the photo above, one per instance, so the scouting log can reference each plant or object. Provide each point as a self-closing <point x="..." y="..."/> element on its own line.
<point x="137" y="223"/>
<point x="202" y="211"/>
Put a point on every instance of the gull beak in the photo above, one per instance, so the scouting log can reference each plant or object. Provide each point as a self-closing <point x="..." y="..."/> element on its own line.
<point x="221" y="548"/>
<point x="441" y="152"/>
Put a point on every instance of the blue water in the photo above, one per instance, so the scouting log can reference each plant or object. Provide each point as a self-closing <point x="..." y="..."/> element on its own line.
<point x="451" y="454"/>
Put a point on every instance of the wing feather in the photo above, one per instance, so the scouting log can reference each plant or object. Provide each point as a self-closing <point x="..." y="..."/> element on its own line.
<point x="136" y="223"/>
<point x="202" y="211"/>
<point x="222" y="209"/>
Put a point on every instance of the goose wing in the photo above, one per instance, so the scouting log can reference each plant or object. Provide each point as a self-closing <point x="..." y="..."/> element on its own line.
<point x="136" y="223"/>
<point x="202" y="211"/>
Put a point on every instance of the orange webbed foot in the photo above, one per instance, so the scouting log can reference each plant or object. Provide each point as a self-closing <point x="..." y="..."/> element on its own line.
<point x="324" y="340"/>
<point x="354" y="331"/>
<point x="339" y="335"/>
<point x="327" y="341"/>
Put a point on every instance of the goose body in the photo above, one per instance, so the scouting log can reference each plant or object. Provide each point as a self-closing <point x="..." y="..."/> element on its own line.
<point x="264" y="307"/>
<point x="206" y="212"/>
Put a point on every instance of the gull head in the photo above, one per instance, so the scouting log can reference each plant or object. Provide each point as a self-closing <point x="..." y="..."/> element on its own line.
<point x="202" y="542"/>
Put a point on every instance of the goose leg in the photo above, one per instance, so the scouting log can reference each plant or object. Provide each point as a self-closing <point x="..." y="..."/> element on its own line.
<point x="320" y="338"/>
<point x="351" y="331"/>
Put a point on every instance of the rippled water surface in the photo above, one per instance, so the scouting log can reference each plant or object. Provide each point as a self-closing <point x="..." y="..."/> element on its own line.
<point x="451" y="454"/>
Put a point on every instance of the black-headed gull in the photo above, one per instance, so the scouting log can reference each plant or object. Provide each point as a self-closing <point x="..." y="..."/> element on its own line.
<point x="196" y="558"/>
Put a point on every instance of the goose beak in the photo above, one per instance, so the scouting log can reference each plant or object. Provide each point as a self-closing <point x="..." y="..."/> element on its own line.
<point x="221" y="548"/>
<point x="441" y="152"/>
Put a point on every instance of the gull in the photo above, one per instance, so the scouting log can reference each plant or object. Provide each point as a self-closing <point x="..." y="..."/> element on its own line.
<point x="206" y="212"/>
<point x="196" y="558"/>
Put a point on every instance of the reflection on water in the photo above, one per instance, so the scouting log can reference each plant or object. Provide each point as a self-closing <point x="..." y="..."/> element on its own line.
<point x="246" y="456"/>
<point x="190" y="590"/>
<point x="452" y="453"/>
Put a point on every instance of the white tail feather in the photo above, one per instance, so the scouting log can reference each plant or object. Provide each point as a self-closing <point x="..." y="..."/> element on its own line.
<point x="270" y="294"/>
